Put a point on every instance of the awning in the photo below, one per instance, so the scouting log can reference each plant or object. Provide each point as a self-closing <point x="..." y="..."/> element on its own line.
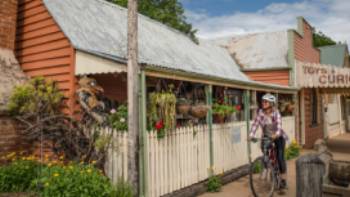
<point x="86" y="63"/>
<point x="312" y="75"/>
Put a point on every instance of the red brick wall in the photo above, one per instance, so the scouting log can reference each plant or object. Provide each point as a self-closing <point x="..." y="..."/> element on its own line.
<point x="305" y="52"/>
<point x="312" y="132"/>
<point x="9" y="139"/>
<point x="8" y="15"/>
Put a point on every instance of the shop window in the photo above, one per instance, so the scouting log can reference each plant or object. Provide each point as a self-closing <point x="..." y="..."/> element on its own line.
<point x="314" y="107"/>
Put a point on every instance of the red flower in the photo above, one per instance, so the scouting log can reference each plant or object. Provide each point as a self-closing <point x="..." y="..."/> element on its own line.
<point x="159" y="125"/>
<point x="238" y="107"/>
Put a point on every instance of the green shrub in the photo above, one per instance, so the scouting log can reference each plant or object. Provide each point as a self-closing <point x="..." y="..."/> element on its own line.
<point x="258" y="167"/>
<point x="17" y="176"/>
<point x="58" y="179"/>
<point x="119" y="118"/>
<point x="72" y="180"/>
<point x="292" y="151"/>
<point x="214" y="184"/>
<point x="122" y="189"/>
<point x="36" y="95"/>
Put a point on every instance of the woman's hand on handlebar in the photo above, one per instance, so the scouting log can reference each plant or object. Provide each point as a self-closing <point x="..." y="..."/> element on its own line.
<point x="252" y="139"/>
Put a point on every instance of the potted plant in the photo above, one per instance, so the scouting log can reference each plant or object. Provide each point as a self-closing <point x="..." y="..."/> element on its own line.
<point x="221" y="111"/>
<point x="183" y="106"/>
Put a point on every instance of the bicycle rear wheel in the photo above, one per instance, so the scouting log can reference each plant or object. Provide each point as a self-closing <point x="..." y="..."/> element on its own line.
<point x="261" y="178"/>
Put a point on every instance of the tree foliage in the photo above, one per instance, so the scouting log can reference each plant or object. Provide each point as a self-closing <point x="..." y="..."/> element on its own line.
<point x="320" y="39"/>
<point x="168" y="12"/>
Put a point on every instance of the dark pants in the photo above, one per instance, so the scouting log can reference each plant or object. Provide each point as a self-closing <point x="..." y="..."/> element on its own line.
<point x="280" y="145"/>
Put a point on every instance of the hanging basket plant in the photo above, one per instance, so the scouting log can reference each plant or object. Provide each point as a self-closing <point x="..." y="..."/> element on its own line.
<point x="183" y="106"/>
<point x="162" y="111"/>
<point x="199" y="110"/>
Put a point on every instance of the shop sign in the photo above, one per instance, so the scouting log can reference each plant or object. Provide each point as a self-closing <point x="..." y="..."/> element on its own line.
<point x="318" y="75"/>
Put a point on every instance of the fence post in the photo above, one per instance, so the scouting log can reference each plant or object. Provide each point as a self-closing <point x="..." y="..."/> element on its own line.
<point x="142" y="136"/>
<point x="209" y="95"/>
<point x="309" y="177"/>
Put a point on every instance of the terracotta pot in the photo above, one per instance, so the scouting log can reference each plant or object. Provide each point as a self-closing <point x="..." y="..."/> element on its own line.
<point x="183" y="108"/>
<point x="339" y="172"/>
<point x="218" y="118"/>
<point x="199" y="111"/>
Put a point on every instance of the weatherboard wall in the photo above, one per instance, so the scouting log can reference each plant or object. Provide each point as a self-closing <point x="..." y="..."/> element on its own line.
<point x="279" y="77"/>
<point x="42" y="49"/>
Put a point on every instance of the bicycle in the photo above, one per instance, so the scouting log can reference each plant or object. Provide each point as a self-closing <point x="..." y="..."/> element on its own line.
<point x="267" y="164"/>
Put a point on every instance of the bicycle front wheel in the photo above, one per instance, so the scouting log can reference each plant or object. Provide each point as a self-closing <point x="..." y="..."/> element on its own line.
<point x="261" y="178"/>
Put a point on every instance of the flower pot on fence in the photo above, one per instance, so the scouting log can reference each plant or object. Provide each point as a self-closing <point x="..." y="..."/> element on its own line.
<point x="199" y="110"/>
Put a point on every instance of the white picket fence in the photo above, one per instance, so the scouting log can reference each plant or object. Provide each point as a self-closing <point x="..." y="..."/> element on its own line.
<point x="178" y="160"/>
<point x="116" y="165"/>
<point x="182" y="157"/>
<point x="230" y="146"/>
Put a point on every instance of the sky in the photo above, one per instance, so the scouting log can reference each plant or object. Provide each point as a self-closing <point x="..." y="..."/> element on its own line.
<point x="219" y="18"/>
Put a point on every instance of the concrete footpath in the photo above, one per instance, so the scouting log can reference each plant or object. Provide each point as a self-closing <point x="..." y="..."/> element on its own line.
<point x="339" y="146"/>
<point x="240" y="187"/>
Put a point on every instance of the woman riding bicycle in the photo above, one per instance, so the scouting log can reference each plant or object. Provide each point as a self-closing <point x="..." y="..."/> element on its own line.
<point x="269" y="119"/>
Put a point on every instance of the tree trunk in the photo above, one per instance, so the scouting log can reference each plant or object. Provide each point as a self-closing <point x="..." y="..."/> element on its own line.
<point x="133" y="92"/>
<point x="310" y="172"/>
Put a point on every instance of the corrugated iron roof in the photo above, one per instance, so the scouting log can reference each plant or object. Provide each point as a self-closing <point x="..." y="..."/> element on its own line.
<point x="258" y="51"/>
<point x="334" y="54"/>
<point x="100" y="28"/>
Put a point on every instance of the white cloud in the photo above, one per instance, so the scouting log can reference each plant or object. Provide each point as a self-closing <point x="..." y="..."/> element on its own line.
<point x="330" y="16"/>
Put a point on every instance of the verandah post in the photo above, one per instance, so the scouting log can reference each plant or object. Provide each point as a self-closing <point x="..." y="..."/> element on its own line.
<point x="246" y="97"/>
<point x="133" y="97"/>
<point x="209" y="95"/>
<point x="143" y="136"/>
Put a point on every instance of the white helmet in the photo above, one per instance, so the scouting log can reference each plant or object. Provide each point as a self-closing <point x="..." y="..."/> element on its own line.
<point x="269" y="97"/>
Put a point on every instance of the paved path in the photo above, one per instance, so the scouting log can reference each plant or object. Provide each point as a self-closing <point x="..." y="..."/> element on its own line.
<point x="240" y="187"/>
<point x="340" y="147"/>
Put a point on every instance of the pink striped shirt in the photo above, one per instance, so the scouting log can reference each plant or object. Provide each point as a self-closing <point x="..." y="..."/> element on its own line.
<point x="260" y="120"/>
